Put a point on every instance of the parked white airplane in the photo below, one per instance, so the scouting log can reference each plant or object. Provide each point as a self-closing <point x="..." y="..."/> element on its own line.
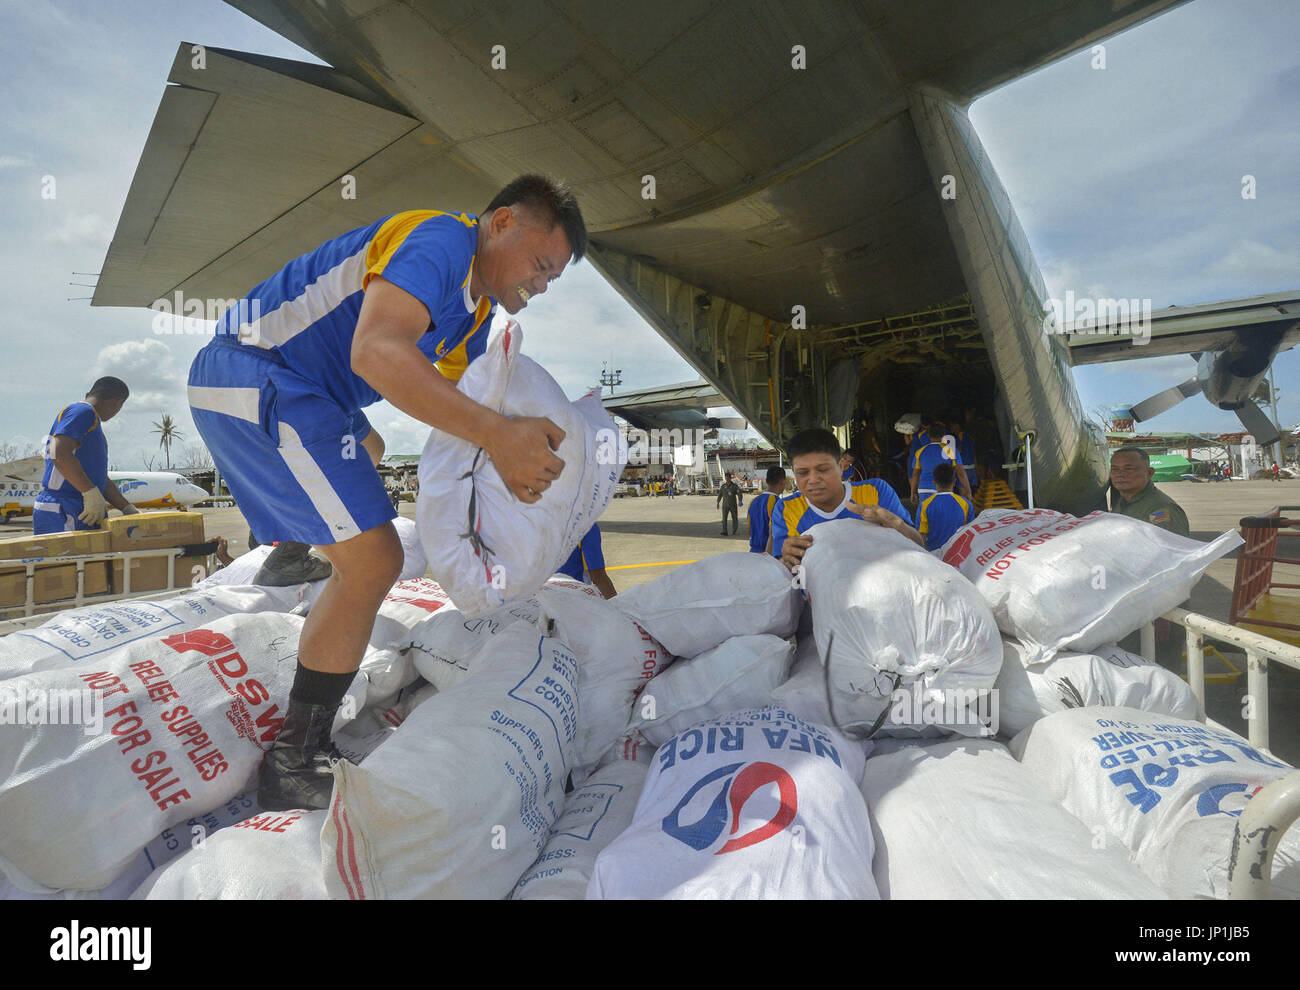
<point x="20" y="483"/>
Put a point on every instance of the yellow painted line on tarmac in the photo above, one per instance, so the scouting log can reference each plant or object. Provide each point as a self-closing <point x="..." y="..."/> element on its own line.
<point x="666" y="563"/>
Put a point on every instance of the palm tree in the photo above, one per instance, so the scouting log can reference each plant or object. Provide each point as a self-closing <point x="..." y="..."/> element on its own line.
<point x="168" y="434"/>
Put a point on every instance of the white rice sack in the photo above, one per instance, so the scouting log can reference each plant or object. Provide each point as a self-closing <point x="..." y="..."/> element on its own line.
<point x="911" y="636"/>
<point x="414" y="562"/>
<point x="460" y="801"/>
<point x="755" y="805"/>
<point x="1002" y="837"/>
<point x="86" y="635"/>
<point x="1167" y="789"/>
<point x="594" y="815"/>
<point x="274" y="855"/>
<point x="242" y="571"/>
<point x="616" y="659"/>
<point x="376" y="724"/>
<point x="1058" y="582"/>
<point x="484" y="546"/>
<point x="1104" y="677"/>
<point x="697" y="606"/>
<point x="740" y="674"/>
<point x="446" y="646"/>
<point x="171" y="728"/>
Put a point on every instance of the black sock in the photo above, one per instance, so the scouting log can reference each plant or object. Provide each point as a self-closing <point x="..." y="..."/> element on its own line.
<point x="316" y="687"/>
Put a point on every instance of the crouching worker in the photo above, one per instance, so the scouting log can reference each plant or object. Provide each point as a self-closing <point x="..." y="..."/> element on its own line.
<point x="822" y="495"/>
<point x="945" y="512"/>
<point x="394" y="310"/>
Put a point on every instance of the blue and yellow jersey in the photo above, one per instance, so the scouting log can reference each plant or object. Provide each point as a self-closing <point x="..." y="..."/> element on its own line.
<point x="587" y="556"/>
<point x="919" y="440"/>
<point x="793" y="515"/>
<point x="307" y="311"/>
<point x="940" y="516"/>
<point x="927" y="459"/>
<point x="80" y="422"/>
<point x="760" y="520"/>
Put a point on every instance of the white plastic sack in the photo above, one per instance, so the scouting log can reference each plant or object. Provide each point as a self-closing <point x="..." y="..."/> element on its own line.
<point x="697" y="606"/>
<point x="910" y="634"/>
<point x="459" y="802"/>
<point x="1058" y="582"/>
<point x="755" y="805"/>
<point x="376" y="724"/>
<point x="594" y="815"/>
<point x="1168" y="789"/>
<point x="414" y="563"/>
<point x="446" y="646"/>
<point x="185" y="722"/>
<point x="86" y="635"/>
<point x="484" y="546"/>
<point x="738" y="675"/>
<point x="960" y="819"/>
<point x="274" y="855"/>
<point x="616" y="659"/>
<point x="1106" y="676"/>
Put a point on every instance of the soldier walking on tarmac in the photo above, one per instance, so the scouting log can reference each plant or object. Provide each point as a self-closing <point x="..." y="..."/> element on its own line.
<point x="730" y="498"/>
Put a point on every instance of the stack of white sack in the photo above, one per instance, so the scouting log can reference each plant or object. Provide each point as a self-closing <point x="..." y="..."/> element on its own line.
<point x="446" y="646"/>
<point x="616" y="659"/>
<point x="414" y="562"/>
<point x="484" y="546"/>
<point x="913" y="642"/>
<point x="375" y="724"/>
<point x="739" y="674"/>
<point x="408" y="605"/>
<point x="160" y="731"/>
<point x="460" y="801"/>
<point x="960" y="819"/>
<point x="274" y="855"/>
<point x="755" y="805"/>
<point x="84" y="636"/>
<point x="164" y="848"/>
<point x="1058" y="582"/>
<point x="1106" y="676"/>
<point x="699" y="605"/>
<point x="594" y="815"/>
<point x="1169" y="790"/>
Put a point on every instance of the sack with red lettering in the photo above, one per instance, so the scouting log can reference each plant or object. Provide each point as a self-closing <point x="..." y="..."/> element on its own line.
<point x="404" y="609"/>
<point x="754" y="805"/>
<point x="165" y="729"/>
<point x="446" y="645"/>
<point x="1168" y="789"/>
<point x="900" y="631"/>
<point x="274" y="855"/>
<point x="1058" y="582"/>
<point x="462" y="798"/>
<point x="739" y="674"/>
<point x="697" y="606"/>
<point x="86" y="635"/>
<point x="485" y="547"/>
<point x="595" y="814"/>
<point x="1105" y="676"/>
<point x="1002" y="838"/>
<point x="616" y="658"/>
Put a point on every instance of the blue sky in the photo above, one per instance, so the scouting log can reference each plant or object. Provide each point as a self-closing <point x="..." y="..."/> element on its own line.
<point x="1126" y="180"/>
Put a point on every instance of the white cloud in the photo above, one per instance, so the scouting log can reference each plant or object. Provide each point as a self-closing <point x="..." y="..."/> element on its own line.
<point x="16" y="161"/>
<point x="88" y="229"/>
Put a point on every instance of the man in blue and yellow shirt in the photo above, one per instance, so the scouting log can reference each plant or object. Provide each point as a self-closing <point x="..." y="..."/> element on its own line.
<point x="760" y="510"/>
<point x="943" y="513"/>
<point x="587" y="563"/>
<point x="76" y="490"/>
<point x="394" y="310"/>
<point x="941" y="449"/>
<point x="822" y="495"/>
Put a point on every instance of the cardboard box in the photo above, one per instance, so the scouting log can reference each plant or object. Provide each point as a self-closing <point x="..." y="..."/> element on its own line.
<point x="52" y="582"/>
<point x="55" y="545"/>
<point x="154" y="530"/>
<point x="150" y="573"/>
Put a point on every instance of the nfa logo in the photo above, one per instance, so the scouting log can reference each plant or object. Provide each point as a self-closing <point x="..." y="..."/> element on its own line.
<point x="736" y="789"/>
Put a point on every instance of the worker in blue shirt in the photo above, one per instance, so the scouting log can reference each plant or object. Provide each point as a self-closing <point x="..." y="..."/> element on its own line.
<point x="822" y="495"/>
<point x="75" y="489"/>
<point x="760" y="510"/>
<point x="943" y="513"/>
<point x="942" y="449"/>
<point x="587" y="563"/>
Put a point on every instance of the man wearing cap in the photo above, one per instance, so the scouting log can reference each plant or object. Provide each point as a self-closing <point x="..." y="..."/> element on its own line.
<point x="1130" y="475"/>
<point x="76" y="489"/>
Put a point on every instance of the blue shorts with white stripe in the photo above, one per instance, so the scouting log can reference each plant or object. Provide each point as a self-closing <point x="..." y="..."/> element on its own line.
<point x="52" y="513"/>
<point x="291" y="457"/>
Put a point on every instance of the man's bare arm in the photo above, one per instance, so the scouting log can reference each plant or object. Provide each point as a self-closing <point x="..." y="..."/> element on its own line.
<point x="113" y="495"/>
<point x="64" y="456"/>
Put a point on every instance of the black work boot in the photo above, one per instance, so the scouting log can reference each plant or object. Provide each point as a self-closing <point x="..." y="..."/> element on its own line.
<point x="291" y="563"/>
<point x="296" y="770"/>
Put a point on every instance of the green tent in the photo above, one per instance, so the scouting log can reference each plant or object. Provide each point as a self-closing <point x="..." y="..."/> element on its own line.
<point x="1171" y="467"/>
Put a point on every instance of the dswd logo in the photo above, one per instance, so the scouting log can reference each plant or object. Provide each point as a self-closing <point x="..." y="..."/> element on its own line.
<point x="736" y="783"/>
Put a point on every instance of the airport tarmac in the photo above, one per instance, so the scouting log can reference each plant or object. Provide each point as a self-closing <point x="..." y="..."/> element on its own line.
<point x="646" y="538"/>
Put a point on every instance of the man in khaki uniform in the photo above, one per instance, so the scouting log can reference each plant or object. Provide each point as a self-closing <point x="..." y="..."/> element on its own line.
<point x="1130" y="475"/>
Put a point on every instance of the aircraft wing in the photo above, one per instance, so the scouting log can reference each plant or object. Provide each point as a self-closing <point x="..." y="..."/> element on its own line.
<point x="26" y="470"/>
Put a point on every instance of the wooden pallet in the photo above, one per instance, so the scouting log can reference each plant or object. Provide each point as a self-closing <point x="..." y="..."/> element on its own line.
<point x="995" y="494"/>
